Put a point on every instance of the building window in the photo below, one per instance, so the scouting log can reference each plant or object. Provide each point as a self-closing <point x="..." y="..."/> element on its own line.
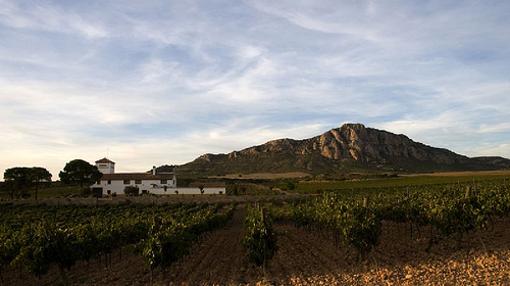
<point x="138" y="182"/>
<point x="164" y="182"/>
<point x="127" y="182"/>
<point x="109" y="182"/>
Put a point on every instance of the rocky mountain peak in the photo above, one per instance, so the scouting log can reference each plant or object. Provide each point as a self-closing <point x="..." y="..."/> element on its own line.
<point x="353" y="126"/>
<point x="352" y="144"/>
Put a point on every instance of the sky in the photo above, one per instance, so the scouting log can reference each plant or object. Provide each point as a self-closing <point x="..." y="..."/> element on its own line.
<point x="162" y="82"/>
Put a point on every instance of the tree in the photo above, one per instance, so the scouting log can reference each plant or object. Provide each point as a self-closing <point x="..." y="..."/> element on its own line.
<point x="18" y="179"/>
<point x="290" y="186"/>
<point x="131" y="191"/>
<point x="39" y="175"/>
<point x="79" y="172"/>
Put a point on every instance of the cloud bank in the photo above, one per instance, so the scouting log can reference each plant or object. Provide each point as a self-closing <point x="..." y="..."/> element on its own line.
<point x="158" y="82"/>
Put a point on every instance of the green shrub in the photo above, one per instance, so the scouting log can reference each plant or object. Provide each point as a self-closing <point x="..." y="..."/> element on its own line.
<point x="131" y="191"/>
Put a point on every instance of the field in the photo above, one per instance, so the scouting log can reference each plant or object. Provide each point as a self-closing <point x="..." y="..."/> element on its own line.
<point x="55" y="190"/>
<point x="404" y="181"/>
<point x="403" y="231"/>
<point x="263" y="176"/>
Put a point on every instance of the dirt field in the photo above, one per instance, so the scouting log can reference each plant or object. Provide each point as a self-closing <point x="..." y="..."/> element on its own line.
<point x="463" y="174"/>
<point x="305" y="258"/>
<point x="170" y="199"/>
<point x="263" y="176"/>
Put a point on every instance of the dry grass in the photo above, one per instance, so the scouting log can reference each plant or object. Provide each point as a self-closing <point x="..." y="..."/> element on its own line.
<point x="263" y="176"/>
<point x="463" y="174"/>
<point x="307" y="258"/>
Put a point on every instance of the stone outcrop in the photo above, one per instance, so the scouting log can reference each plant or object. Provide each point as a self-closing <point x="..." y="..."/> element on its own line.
<point x="352" y="146"/>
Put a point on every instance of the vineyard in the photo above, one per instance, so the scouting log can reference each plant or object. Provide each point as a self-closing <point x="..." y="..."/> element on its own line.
<point x="376" y="236"/>
<point x="446" y="210"/>
<point x="37" y="237"/>
<point x="260" y="239"/>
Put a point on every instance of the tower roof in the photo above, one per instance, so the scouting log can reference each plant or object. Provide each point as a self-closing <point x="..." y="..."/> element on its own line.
<point x="105" y="160"/>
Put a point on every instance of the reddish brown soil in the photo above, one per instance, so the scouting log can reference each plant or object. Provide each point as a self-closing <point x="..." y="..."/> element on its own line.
<point x="307" y="258"/>
<point x="217" y="260"/>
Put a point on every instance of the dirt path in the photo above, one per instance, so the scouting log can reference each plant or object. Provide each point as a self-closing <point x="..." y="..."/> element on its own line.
<point x="218" y="260"/>
<point x="302" y="257"/>
<point x="307" y="258"/>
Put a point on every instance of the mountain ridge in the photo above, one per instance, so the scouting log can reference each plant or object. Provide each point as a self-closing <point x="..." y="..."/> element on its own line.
<point x="351" y="147"/>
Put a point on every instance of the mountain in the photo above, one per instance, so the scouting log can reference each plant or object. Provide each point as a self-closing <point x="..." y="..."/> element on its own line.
<point x="350" y="148"/>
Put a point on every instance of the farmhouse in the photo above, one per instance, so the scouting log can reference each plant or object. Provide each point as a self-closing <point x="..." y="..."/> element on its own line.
<point x="154" y="181"/>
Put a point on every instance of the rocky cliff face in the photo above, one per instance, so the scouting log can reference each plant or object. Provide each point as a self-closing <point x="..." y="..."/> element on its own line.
<point x="352" y="146"/>
<point x="366" y="145"/>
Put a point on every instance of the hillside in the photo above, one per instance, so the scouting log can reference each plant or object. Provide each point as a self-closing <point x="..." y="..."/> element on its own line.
<point x="350" y="148"/>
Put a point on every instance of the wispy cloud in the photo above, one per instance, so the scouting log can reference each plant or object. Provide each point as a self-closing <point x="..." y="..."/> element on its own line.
<point x="46" y="17"/>
<point x="162" y="82"/>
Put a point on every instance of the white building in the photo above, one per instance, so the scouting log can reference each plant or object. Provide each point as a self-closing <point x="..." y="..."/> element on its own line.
<point x="148" y="182"/>
<point x="105" y="166"/>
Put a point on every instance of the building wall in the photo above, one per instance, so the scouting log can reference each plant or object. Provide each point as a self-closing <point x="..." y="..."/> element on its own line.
<point x="152" y="186"/>
<point x="118" y="188"/>
<point x="191" y="191"/>
<point x="106" y="168"/>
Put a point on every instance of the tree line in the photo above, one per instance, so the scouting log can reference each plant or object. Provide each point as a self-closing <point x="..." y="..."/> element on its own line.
<point x="18" y="181"/>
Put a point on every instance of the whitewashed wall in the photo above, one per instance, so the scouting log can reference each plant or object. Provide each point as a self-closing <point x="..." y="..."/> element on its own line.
<point x="106" y="168"/>
<point x="118" y="188"/>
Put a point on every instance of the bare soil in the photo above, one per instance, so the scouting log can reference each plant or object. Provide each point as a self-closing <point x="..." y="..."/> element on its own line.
<point x="462" y="173"/>
<point x="164" y="199"/>
<point x="264" y="176"/>
<point x="307" y="258"/>
<point x="310" y="258"/>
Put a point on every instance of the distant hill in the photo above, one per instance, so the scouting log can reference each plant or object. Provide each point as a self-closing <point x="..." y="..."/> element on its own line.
<point x="350" y="148"/>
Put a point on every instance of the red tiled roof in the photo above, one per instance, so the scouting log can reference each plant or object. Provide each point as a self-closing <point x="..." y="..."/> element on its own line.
<point x="105" y="160"/>
<point x="135" y="176"/>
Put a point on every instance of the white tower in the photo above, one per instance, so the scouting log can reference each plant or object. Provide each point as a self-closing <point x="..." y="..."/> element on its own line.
<point x="105" y="166"/>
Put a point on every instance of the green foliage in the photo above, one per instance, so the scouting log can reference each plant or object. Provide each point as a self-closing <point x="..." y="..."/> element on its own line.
<point x="362" y="228"/>
<point x="354" y="221"/>
<point x="260" y="239"/>
<point x="291" y="185"/>
<point x="20" y="179"/>
<point x="92" y="192"/>
<point x="17" y="181"/>
<point x="169" y="239"/>
<point x="46" y="244"/>
<point x="19" y="175"/>
<point x="448" y="209"/>
<point x="166" y="243"/>
<point x="35" y="237"/>
<point x="9" y="247"/>
<point x="39" y="176"/>
<point x="460" y="215"/>
<point x="58" y="189"/>
<point x="79" y="172"/>
<point x="241" y="189"/>
<point x="370" y="186"/>
<point x="131" y="191"/>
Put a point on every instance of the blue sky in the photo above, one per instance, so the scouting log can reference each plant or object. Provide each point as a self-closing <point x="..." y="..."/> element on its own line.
<point x="155" y="82"/>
